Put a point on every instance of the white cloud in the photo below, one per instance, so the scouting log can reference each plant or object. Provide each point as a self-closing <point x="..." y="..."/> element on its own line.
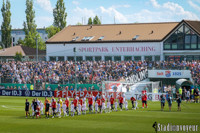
<point x="166" y="12"/>
<point x="112" y="12"/>
<point x="195" y="6"/>
<point x="45" y="4"/>
<point x="155" y="3"/>
<point x="75" y="2"/>
<point x="79" y="15"/>
<point x="174" y="10"/>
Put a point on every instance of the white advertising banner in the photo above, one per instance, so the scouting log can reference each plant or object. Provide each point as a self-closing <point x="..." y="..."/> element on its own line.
<point x="169" y="74"/>
<point x="98" y="49"/>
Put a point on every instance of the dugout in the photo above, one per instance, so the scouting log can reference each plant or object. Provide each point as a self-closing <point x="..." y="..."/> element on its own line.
<point x="166" y="81"/>
<point x="183" y="83"/>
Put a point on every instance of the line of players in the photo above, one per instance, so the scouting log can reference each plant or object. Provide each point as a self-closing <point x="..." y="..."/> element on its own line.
<point x="97" y="104"/>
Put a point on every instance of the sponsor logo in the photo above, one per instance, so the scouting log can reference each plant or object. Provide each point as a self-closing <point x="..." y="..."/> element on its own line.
<point x="27" y="93"/>
<point x="168" y="74"/>
<point x="160" y="73"/>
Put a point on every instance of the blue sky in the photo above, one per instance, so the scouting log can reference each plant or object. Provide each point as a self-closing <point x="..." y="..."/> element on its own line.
<point x="124" y="11"/>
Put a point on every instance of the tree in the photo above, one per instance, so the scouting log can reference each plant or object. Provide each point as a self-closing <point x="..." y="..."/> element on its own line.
<point x="6" y="27"/>
<point x="79" y="23"/>
<point x="52" y="30"/>
<point x="60" y="15"/>
<point x="30" y="28"/>
<point x="90" y="21"/>
<point x="96" y="20"/>
<point x="18" y="56"/>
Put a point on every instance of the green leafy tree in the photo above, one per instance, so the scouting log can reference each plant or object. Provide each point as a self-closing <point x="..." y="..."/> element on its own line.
<point x="30" y="28"/>
<point x="52" y="30"/>
<point x="90" y="21"/>
<point x="20" y="41"/>
<point x="60" y="15"/>
<point x="18" y="56"/>
<point x="6" y="26"/>
<point x="79" y="23"/>
<point x="96" y="20"/>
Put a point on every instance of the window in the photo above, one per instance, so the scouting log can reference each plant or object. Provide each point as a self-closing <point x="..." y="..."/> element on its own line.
<point x="135" y="37"/>
<point x="107" y="58"/>
<point x="198" y="42"/>
<point x="137" y="58"/>
<point x="148" y="58"/>
<point x="79" y="58"/>
<point x="101" y="38"/>
<point x="182" y="39"/>
<point x="187" y="46"/>
<point x="97" y="58"/>
<point x="167" y="46"/>
<point x="127" y="58"/>
<point x="89" y="58"/>
<point x="52" y="58"/>
<point x="174" y="46"/>
<point x="70" y="58"/>
<point x="197" y="57"/>
<point x="157" y="58"/>
<point x="13" y="39"/>
<point x="76" y="38"/>
<point x="117" y="58"/>
<point x="189" y="57"/>
<point x="87" y="38"/>
<point x="193" y="42"/>
<point x="61" y="58"/>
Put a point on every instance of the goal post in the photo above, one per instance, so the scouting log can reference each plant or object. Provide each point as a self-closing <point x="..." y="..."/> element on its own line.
<point x="116" y="88"/>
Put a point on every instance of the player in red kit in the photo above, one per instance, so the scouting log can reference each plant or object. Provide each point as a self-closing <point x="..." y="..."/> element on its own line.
<point x="112" y="102"/>
<point x="90" y="103"/>
<point x="81" y="102"/>
<point x="121" y="100"/>
<point x="54" y="107"/>
<point x="75" y="102"/>
<point x="144" y="100"/>
<point x="132" y="101"/>
<point x="37" y="112"/>
<point x="67" y="105"/>
<point x="99" y="103"/>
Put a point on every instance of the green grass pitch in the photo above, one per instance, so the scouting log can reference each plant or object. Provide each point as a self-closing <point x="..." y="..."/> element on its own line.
<point x="12" y="119"/>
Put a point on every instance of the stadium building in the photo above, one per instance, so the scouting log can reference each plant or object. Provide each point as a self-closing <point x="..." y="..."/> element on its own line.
<point x="19" y="34"/>
<point x="137" y="41"/>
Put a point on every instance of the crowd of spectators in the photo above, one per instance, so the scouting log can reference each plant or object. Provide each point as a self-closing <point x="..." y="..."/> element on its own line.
<point x="87" y="72"/>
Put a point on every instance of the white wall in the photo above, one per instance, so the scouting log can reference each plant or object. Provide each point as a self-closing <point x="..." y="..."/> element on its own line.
<point x="105" y="49"/>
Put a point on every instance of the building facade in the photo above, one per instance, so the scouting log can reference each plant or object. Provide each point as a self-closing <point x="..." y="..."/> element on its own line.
<point x="118" y="42"/>
<point x="19" y="34"/>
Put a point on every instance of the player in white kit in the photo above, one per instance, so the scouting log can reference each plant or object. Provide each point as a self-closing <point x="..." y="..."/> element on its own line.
<point x="84" y="108"/>
<point x="96" y="107"/>
<point x="126" y="105"/>
<point x="79" y="108"/>
<point x="58" y="109"/>
<point x="93" y="99"/>
<point x="84" y="100"/>
<point x="72" y="109"/>
<point x="64" y="109"/>
<point x="32" y="106"/>
<point x="41" y="107"/>
<point x="103" y="105"/>
<point x="116" y="104"/>
<point x="108" y="106"/>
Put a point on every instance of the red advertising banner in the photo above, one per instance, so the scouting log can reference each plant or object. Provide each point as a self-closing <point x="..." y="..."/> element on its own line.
<point x="71" y="94"/>
<point x="86" y="94"/>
